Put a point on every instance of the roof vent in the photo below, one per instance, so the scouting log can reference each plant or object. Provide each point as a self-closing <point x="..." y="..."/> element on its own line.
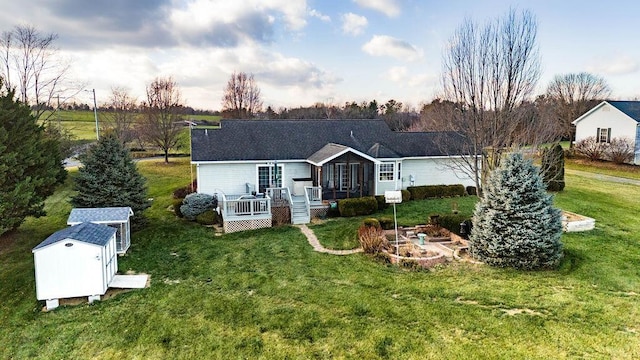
<point x="351" y="133"/>
<point x="206" y="133"/>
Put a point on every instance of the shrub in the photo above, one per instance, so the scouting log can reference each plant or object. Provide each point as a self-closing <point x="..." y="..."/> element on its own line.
<point x="371" y="239"/>
<point x="177" y="203"/>
<point x="208" y="217"/>
<point x="436" y="191"/>
<point x="358" y="206"/>
<point x="471" y="190"/>
<point x="590" y="148"/>
<point x="371" y="222"/>
<point x="382" y="202"/>
<point x="195" y="204"/>
<point x="406" y="195"/>
<point x="553" y="167"/>
<point x="386" y="223"/>
<point x="181" y="193"/>
<point x="515" y="223"/>
<point x="451" y="222"/>
<point x="620" y="150"/>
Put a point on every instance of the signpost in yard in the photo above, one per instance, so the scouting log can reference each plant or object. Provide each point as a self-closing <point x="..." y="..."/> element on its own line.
<point x="394" y="197"/>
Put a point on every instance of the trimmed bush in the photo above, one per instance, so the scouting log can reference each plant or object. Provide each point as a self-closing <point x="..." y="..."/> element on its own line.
<point x="386" y="223"/>
<point x="452" y="222"/>
<point x="406" y="195"/>
<point x="471" y="190"/>
<point x="382" y="202"/>
<point x="358" y="206"/>
<point x="371" y="222"/>
<point x="208" y="217"/>
<point x="620" y="150"/>
<point x="195" y="204"/>
<point x="436" y="191"/>
<point x="553" y="167"/>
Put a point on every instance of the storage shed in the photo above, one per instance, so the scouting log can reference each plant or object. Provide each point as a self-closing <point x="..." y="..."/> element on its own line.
<point x="80" y="260"/>
<point x="116" y="217"/>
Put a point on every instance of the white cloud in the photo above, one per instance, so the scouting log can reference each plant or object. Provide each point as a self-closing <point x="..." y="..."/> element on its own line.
<point x="618" y="66"/>
<point x="397" y="74"/>
<point x="353" y="24"/>
<point x="387" y="7"/>
<point x="383" y="45"/>
<point x="317" y="14"/>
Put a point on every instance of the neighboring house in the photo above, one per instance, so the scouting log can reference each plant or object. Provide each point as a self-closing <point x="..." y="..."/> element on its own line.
<point x="612" y="119"/>
<point x="317" y="160"/>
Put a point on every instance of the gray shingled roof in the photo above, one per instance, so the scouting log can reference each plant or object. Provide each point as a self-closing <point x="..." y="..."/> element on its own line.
<point x="95" y="234"/>
<point x="299" y="139"/>
<point x="630" y="108"/>
<point x="102" y="215"/>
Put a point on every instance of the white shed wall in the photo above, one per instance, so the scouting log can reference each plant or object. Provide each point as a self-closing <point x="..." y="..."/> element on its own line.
<point x="79" y="270"/>
<point x="607" y="116"/>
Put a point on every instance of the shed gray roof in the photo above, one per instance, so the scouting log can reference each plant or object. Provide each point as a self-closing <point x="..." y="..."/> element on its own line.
<point x="630" y="108"/>
<point x="87" y="232"/>
<point x="238" y="140"/>
<point x="99" y="215"/>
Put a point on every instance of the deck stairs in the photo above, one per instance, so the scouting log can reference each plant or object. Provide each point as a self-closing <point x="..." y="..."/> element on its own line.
<point x="299" y="210"/>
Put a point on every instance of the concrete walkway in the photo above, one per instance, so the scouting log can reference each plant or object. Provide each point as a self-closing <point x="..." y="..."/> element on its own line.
<point x="313" y="241"/>
<point x="603" y="177"/>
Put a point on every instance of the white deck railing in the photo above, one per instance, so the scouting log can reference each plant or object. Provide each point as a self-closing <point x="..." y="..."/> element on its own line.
<point x="244" y="205"/>
<point x="313" y="193"/>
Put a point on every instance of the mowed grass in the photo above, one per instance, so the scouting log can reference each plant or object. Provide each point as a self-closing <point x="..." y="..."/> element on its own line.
<point x="266" y="294"/>
<point x="82" y="123"/>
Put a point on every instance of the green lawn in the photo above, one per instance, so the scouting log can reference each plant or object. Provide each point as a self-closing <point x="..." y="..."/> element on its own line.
<point x="267" y="294"/>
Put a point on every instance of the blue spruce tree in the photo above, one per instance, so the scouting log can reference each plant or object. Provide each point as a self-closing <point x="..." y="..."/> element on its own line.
<point x="515" y="223"/>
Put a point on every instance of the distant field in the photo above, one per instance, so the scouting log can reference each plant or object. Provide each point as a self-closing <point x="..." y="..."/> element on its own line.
<point x="83" y="126"/>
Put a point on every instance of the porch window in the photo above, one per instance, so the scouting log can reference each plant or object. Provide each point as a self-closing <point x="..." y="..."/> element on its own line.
<point x="269" y="177"/>
<point x="387" y="171"/>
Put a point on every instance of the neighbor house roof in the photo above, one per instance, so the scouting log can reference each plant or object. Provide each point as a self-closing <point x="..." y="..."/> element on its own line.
<point x="90" y="233"/>
<point x="99" y="215"/>
<point x="238" y="140"/>
<point x="629" y="108"/>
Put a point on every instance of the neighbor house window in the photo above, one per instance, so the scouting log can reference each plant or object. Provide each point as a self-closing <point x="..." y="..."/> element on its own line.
<point x="387" y="171"/>
<point x="604" y="135"/>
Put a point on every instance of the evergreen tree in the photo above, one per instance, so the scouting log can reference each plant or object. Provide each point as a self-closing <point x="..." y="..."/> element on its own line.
<point x="515" y="223"/>
<point x="553" y="167"/>
<point x="30" y="163"/>
<point x="109" y="178"/>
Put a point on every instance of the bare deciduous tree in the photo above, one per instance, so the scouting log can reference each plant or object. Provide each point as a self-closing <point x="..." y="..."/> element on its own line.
<point x="489" y="72"/>
<point x="31" y="64"/>
<point x="163" y="115"/>
<point x="571" y="95"/>
<point x="121" y="114"/>
<point x="241" y="97"/>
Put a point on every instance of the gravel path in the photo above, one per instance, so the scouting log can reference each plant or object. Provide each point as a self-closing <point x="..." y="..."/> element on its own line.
<point x="603" y="177"/>
<point x="313" y="241"/>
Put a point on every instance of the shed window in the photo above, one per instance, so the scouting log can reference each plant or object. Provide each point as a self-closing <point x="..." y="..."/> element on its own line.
<point x="387" y="172"/>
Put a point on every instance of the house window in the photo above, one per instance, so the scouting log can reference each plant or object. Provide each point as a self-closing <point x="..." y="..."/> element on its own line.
<point x="269" y="177"/>
<point x="387" y="171"/>
<point x="604" y="135"/>
<point x="354" y="176"/>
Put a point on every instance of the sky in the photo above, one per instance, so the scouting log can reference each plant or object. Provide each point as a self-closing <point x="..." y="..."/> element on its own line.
<point x="302" y="52"/>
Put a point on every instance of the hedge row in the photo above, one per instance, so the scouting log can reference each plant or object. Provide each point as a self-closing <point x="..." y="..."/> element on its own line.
<point x="436" y="191"/>
<point x="357" y="206"/>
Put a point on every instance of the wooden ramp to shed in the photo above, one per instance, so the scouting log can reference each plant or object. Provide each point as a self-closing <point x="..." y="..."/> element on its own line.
<point x="129" y="281"/>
